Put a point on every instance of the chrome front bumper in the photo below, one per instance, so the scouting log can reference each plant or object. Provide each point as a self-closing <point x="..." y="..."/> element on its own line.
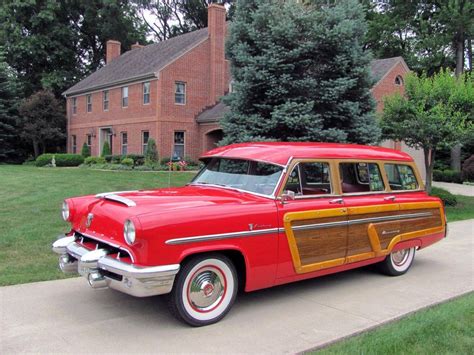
<point x="102" y="271"/>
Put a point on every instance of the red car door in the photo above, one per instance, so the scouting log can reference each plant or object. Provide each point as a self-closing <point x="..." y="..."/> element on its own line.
<point x="313" y="221"/>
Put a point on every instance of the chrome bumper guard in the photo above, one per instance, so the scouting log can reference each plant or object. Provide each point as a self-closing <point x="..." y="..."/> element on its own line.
<point x="103" y="271"/>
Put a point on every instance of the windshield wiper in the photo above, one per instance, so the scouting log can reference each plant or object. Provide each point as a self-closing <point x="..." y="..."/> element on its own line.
<point x="219" y="185"/>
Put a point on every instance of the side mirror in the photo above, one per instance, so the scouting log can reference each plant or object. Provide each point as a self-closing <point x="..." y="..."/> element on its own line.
<point x="288" y="195"/>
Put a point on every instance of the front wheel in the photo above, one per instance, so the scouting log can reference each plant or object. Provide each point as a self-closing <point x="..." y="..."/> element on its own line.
<point x="205" y="290"/>
<point x="398" y="262"/>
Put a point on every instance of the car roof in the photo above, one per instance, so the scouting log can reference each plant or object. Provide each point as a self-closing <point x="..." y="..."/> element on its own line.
<point x="281" y="152"/>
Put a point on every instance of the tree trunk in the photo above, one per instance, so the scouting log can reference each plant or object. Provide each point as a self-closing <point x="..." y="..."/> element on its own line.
<point x="456" y="150"/>
<point x="469" y="54"/>
<point x="36" y="148"/>
<point x="429" y="163"/>
<point x="456" y="157"/>
<point x="459" y="56"/>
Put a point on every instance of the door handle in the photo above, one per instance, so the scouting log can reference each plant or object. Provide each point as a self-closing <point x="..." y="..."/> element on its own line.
<point x="389" y="198"/>
<point x="336" y="200"/>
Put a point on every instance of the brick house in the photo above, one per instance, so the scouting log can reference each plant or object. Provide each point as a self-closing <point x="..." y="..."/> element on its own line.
<point x="170" y="91"/>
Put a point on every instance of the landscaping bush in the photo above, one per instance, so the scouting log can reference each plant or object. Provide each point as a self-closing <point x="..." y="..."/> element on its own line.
<point x="447" y="176"/>
<point x="467" y="173"/>
<point x="127" y="161"/>
<point x="85" y="152"/>
<point x="151" y="154"/>
<point x="448" y="198"/>
<point x="61" y="159"/>
<point x="106" y="149"/>
<point x="114" y="159"/>
<point x="138" y="159"/>
<point x="94" y="160"/>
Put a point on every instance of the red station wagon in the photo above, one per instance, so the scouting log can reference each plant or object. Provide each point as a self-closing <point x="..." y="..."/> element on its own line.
<point x="257" y="215"/>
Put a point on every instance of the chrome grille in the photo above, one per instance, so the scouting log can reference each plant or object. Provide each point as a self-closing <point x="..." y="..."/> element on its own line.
<point x="112" y="251"/>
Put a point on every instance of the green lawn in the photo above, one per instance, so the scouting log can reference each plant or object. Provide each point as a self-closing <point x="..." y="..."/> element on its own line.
<point x="463" y="210"/>
<point x="30" y="216"/>
<point x="444" y="329"/>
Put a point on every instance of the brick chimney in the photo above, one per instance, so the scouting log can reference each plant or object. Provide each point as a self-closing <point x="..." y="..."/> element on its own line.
<point x="113" y="51"/>
<point x="217" y="33"/>
<point x="137" y="45"/>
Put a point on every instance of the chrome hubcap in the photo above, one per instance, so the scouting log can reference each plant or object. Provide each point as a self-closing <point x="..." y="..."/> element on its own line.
<point x="206" y="289"/>
<point x="400" y="257"/>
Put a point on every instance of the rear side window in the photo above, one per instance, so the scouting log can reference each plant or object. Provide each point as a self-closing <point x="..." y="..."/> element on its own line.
<point x="310" y="178"/>
<point x="401" y="177"/>
<point x="361" y="177"/>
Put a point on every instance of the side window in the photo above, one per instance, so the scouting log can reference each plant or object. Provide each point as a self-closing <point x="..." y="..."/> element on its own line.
<point x="401" y="177"/>
<point x="312" y="178"/>
<point x="361" y="177"/>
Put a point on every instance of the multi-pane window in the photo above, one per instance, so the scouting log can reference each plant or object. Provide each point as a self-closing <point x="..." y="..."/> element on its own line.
<point x="145" y="137"/>
<point x="310" y="178"/>
<point x="361" y="177"/>
<point x="180" y="93"/>
<point x="124" y="138"/>
<point x="73" y="144"/>
<point x="89" y="103"/>
<point x="401" y="177"/>
<point x="74" y="105"/>
<point x="105" y="100"/>
<point x="146" y="93"/>
<point x="125" y="96"/>
<point x="178" y="147"/>
<point x="89" y="140"/>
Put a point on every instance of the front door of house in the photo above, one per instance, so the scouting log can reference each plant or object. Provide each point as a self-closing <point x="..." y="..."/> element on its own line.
<point x="105" y="136"/>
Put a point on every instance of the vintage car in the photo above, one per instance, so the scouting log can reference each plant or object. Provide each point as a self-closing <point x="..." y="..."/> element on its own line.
<point x="257" y="215"/>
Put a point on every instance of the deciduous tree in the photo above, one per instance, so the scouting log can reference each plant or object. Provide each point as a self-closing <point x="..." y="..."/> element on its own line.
<point x="43" y="121"/>
<point x="436" y="111"/>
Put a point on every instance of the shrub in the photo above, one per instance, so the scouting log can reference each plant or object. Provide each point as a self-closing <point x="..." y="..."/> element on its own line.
<point x="138" y="159"/>
<point x="85" y="151"/>
<point x="447" y="176"/>
<point x="61" y="159"/>
<point x="467" y="173"/>
<point x="447" y="197"/>
<point x="94" y="160"/>
<point x="151" y="154"/>
<point x="106" y="149"/>
<point x="127" y="161"/>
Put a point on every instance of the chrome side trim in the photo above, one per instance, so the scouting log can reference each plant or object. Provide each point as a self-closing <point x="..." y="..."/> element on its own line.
<point x="205" y="238"/>
<point x="362" y="221"/>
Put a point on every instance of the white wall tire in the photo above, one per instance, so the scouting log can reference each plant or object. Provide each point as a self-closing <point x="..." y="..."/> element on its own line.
<point x="398" y="262"/>
<point x="204" y="290"/>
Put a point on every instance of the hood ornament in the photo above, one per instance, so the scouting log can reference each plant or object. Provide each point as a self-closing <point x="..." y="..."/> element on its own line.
<point x="90" y="217"/>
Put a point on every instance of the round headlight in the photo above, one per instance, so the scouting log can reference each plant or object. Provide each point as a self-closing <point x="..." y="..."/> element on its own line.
<point x="65" y="211"/>
<point x="129" y="232"/>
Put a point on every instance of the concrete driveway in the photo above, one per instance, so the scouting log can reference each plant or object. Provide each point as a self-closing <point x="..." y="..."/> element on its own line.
<point x="456" y="189"/>
<point x="68" y="317"/>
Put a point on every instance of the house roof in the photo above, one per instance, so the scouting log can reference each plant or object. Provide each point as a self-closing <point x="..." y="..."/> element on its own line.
<point x="213" y="114"/>
<point x="139" y="63"/>
<point x="280" y="152"/>
<point x="380" y="67"/>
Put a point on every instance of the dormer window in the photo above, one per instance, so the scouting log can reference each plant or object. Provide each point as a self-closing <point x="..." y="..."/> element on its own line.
<point x="399" y="80"/>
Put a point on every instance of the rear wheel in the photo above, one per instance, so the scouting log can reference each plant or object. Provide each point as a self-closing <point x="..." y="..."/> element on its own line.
<point x="205" y="290"/>
<point x="398" y="262"/>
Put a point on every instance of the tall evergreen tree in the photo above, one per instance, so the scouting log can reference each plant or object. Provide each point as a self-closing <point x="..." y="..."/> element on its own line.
<point x="300" y="74"/>
<point x="9" y="142"/>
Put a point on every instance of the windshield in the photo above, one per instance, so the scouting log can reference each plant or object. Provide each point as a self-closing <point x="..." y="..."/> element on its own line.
<point x="247" y="175"/>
